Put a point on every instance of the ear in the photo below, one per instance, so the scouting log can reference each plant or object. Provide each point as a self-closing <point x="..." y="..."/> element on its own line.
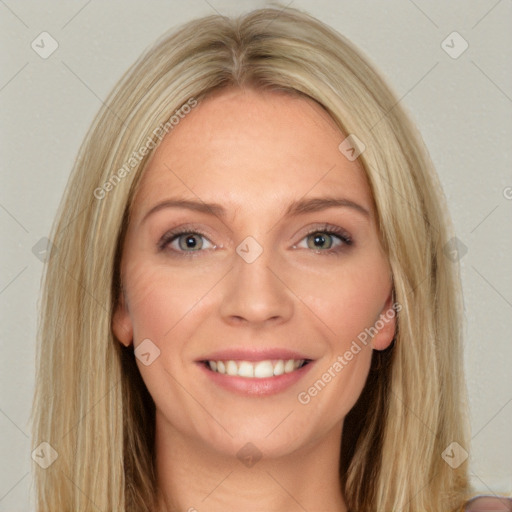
<point x="386" y="325"/>
<point x="122" y="323"/>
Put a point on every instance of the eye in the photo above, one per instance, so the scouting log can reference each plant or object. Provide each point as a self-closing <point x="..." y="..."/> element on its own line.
<point x="185" y="241"/>
<point x="328" y="239"/>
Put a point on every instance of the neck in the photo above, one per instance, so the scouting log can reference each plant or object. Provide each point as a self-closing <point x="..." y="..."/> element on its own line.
<point x="193" y="477"/>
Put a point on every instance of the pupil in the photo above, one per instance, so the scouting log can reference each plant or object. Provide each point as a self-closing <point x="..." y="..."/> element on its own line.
<point x="188" y="242"/>
<point x="319" y="240"/>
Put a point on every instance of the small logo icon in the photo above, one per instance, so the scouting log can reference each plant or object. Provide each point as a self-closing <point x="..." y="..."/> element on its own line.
<point x="147" y="352"/>
<point x="249" y="455"/>
<point x="454" y="45"/>
<point x="44" y="455"/>
<point x="250" y="250"/>
<point x="43" y="249"/>
<point x="454" y="249"/>
<point x="44" y="45"/>
<point x="454" y="455"/>
<point x="351" y="147"/>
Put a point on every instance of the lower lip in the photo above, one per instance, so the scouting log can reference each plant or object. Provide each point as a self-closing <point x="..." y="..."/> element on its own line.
<point x="256" y="387"/>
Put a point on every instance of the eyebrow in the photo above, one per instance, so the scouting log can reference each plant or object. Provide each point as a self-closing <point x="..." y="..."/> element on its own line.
<point x="298" y="207"/>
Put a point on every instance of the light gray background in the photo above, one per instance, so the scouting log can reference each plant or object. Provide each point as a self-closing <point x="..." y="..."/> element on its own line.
<point x="462" y="106"/>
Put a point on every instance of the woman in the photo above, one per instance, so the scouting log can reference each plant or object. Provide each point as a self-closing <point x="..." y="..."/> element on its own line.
<point x="249" y="305"/>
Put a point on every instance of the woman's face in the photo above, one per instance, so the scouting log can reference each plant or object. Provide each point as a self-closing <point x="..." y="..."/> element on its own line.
<point x="252" y="249"/>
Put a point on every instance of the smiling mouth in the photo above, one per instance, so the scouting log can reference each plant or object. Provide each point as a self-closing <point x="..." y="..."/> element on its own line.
<point x="256" y="369"/>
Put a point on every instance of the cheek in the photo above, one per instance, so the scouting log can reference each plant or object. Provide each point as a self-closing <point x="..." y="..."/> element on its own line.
<point x="161" y="306"/>
<point x="347" y="300"/>
<point x="159" y="300"/>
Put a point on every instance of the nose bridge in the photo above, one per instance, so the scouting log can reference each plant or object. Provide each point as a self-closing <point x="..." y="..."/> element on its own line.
<point x="255" y="293"/>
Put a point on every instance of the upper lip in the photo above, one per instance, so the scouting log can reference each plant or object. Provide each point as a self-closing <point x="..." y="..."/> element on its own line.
<point x="245" y="354"/>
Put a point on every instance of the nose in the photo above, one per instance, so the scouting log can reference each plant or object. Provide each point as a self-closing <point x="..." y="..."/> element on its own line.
<point x="256" y="293"/>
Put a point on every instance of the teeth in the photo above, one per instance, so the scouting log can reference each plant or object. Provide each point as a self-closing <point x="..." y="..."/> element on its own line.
<point x="279" y="368"/>
<point x="264" y="369"/>
<point x="231" y="368"/>
<point x="245" y="369"/>
<point x="289" y="366"/>
<point x="258" y="370"/>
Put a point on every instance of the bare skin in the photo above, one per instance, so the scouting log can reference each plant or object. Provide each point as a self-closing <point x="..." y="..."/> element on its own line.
<point x="254" y="154"/>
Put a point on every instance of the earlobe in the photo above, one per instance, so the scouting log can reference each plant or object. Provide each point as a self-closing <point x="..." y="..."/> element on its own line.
<point x="122" y="323"/>
<point x="385" y="325"/>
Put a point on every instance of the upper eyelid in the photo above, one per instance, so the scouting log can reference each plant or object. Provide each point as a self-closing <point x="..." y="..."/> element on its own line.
<point x="172" y="235"/>
<point x="339" y="232"/>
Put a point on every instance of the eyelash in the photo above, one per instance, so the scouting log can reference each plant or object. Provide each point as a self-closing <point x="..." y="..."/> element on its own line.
<point x="326" y="229"/>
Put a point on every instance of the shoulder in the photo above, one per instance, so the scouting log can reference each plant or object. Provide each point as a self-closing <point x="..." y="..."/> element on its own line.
<point x="488" y="504"/>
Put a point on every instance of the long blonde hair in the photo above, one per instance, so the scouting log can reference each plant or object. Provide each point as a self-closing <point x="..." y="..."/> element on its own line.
<point x="90" y="403"/>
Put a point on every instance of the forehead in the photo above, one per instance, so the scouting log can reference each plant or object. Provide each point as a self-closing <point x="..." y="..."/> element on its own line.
<point x="253" y="149"/>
